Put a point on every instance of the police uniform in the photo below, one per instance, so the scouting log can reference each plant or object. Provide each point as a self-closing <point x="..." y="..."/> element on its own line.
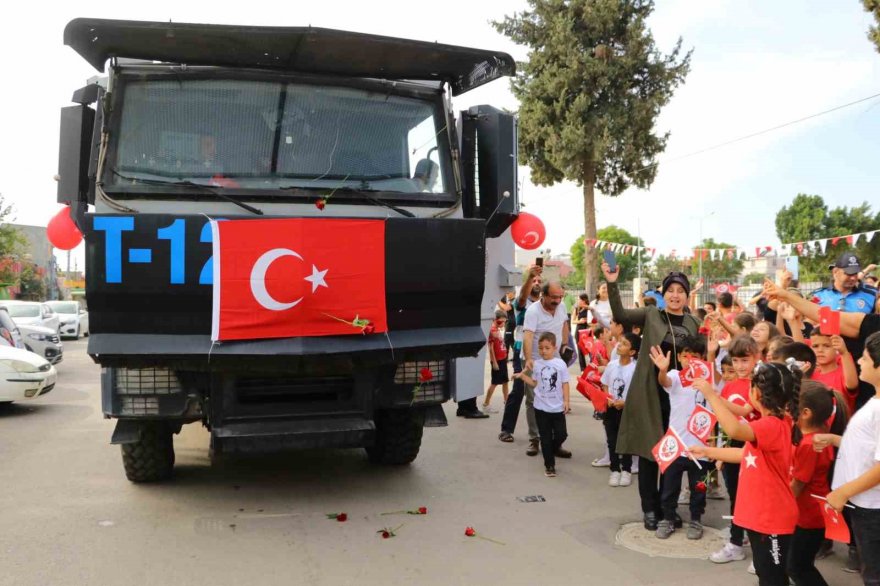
<point x="859" y="300"/>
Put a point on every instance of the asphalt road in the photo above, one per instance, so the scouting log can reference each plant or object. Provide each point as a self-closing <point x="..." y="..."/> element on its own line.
<point x="68" y="516"/>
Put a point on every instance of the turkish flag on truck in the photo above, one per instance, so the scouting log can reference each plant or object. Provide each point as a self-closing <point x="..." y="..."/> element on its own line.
<point x="281" y="278"/>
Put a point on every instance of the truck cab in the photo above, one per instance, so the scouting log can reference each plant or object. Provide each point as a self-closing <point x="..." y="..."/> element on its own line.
<point x="198" y="124"/>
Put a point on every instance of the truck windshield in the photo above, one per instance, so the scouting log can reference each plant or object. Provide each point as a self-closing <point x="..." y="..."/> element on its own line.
<point x="271" y="135"/>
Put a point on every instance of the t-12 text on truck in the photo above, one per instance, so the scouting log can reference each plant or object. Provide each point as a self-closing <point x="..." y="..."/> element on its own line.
<point x="286" y="231"/>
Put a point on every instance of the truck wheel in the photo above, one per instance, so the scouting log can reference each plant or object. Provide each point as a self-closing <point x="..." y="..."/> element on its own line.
<point x="151" y="458"/>
<point x="398" y="436"/>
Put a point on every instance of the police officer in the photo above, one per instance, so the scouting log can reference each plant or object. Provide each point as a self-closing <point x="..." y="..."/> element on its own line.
<point x="845" y="292"/>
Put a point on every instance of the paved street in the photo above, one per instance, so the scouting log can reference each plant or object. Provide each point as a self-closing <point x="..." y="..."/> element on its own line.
<point x="69" y="516"/>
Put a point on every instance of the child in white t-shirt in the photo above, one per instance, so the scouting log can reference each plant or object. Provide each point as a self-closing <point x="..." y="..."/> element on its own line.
<point x="615" y="381"/>
<point x="682" y="401"/>
<point x="551" y="399"/>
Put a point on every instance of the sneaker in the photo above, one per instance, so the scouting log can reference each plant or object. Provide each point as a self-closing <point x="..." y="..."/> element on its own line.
<point x="715" y="493"/>
<point x="635" y="466"/>
<point x="728" y="553"/>
<point x="602" y="462"/>
<point x="684" y="497"/>
<point x="562" y="453"/>
<point x="751" y="569"/>
<point x="625" y="478"/>
<point x="614" y="479"/>
<point x="532" y="450"/>
<point x="695" y="530"/>
<point x="853" y="560"/>
<point x="550" y="472"/>
<point x="489" y="409"/>
<point x="825" y="550"/>
<point x="664" y="529"/>
<point x="678" y="522"/>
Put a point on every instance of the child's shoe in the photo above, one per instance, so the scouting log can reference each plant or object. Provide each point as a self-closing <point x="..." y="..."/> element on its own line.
<point x="550" y="472"/>
<point x="625" y="478"/>
<point x="728" y="553"/>
<point x="635" y="466"/>
<point x="751" y="569"/>
<point x="695" y="530"/>
<point x="489" y="409"/>
<point x="614" y="479"/>
<point x="664" y="529"/>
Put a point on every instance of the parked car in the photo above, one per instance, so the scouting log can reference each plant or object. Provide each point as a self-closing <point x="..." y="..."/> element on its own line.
<point x="42" y="342"/>
<point x="33" y="313"/>
<point x="9" y="332"/>
<point x="24" y="375"/>
<point x="74" y="318"/>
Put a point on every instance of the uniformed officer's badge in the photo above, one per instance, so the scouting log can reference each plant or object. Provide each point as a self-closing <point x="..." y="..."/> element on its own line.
<point x="860" y="303"/>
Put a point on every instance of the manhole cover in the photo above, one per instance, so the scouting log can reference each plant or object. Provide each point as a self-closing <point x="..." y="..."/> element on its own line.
<point x="634" y="536"/>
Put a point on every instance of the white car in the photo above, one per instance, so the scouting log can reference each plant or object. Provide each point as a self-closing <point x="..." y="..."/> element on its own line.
<point x="33" y="313"/>
<point x="74" y="319"/>
<point x="24" y="375"/>
<point x="42" y="342"/>
<point x="10" y="335"/>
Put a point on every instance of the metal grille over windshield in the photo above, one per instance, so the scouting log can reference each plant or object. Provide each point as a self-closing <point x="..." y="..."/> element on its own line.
<point x="253" y="134"/>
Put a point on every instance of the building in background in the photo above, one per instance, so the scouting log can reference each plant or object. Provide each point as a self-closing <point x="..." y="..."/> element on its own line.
<point x="767" y="266"/>
<point x="36" y="264"/>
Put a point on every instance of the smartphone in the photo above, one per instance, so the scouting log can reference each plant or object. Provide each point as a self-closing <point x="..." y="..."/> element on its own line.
<point x="792" y="264"/>
<point x="611" y="260"/>
<point x="539" y="261"/>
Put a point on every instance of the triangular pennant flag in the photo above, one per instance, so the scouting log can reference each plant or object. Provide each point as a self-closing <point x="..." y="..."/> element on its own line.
<point x="849" y="239"/>
<point x="653" y="252"/>
<point x="835" y="240"/>
<point x="870" y="235"/>
<point x="785" y="250"/>
<point x="856" y="239"/>
<point x="799" y="247"/>
<point x="730" y="253"/>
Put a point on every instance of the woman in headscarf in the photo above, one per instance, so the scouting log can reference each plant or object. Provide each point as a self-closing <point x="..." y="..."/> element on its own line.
<point x="646" y="415"/>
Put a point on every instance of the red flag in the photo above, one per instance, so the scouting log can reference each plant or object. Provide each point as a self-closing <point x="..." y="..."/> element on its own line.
<point x="829" y="321"/>
<point x="696" y="370"/>
<point x="667" y="450"/>
<point x="280" y="278"/>
<point x="849" y="240"/>
<point x="835" y="526"/>
<point x="589" y="387"/>
<point x="701" y="423"/>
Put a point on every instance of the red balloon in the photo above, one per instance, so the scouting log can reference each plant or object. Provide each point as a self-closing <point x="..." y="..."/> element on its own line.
<point x="62" y="232"/>
<point x="528" y="231"/>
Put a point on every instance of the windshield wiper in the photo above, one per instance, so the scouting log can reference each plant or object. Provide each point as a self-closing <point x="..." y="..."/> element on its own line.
<point x="357" y="191"/>
<point x="206" y="188"/>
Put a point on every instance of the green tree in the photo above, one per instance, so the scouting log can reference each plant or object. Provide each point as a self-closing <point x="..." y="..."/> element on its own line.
<point x="754" y="279"/>
<point x="663" y="264"/>
<point x="873" y="6"/>
<point x="808" y="218"/>
<point x="726" y="269"/>
<point x="31" y="286"/>
<point x="628" y="263"/>
<point x="589" y="95"/>
<point x="12" y="243"/>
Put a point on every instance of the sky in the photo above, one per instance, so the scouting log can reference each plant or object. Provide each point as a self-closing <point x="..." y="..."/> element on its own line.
<point x="755" y="65"/>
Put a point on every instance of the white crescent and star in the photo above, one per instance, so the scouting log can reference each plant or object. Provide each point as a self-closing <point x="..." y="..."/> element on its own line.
<point x="258" y="279"/>
<point x="533" y="236"/>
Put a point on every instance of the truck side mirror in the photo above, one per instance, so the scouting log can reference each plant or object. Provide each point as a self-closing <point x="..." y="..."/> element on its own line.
<point x="78" y="146"/>
<point x="489" y="164"/>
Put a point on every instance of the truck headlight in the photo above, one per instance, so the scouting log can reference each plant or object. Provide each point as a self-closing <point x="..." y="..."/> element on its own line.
<point x="21" y="366"/>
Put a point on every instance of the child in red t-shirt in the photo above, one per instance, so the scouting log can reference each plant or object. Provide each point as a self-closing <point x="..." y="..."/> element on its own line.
<point x="743" y="354"/>
<point x="765" y="505"/>
<point x="821" y="410"/>
<point x="498" y="358"/>
<point x="835" y="366"/>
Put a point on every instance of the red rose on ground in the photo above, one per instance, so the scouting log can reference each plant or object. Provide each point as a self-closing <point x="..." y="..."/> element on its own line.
<point x="321" y="204"/>
<point x="342" y="517"/>
<point x="423" y="510"/>
<point x="425" y="374"/>
<point x="386" y="535"/>
<point x="701" y="486"/>
<point x="469" y="531"/>
<point x="368" y="329"/>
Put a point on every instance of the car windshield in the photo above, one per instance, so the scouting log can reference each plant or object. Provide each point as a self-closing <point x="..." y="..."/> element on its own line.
<point x="24" y="310"/>
<point x="66" y="307"/>
<point x="278" y="135"/>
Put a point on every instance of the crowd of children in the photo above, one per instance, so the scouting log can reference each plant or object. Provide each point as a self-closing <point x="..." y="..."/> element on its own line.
<point x="784" y="438"/>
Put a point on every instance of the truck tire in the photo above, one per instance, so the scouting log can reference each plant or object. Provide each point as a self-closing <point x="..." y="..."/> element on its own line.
<point x="151" y="458"/>
<point x="398" y="436"/>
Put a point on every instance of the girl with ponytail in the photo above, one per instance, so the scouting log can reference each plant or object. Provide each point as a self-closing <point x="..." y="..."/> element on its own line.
<point x="765" y="505"/>
<point x="821" y="410"/>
